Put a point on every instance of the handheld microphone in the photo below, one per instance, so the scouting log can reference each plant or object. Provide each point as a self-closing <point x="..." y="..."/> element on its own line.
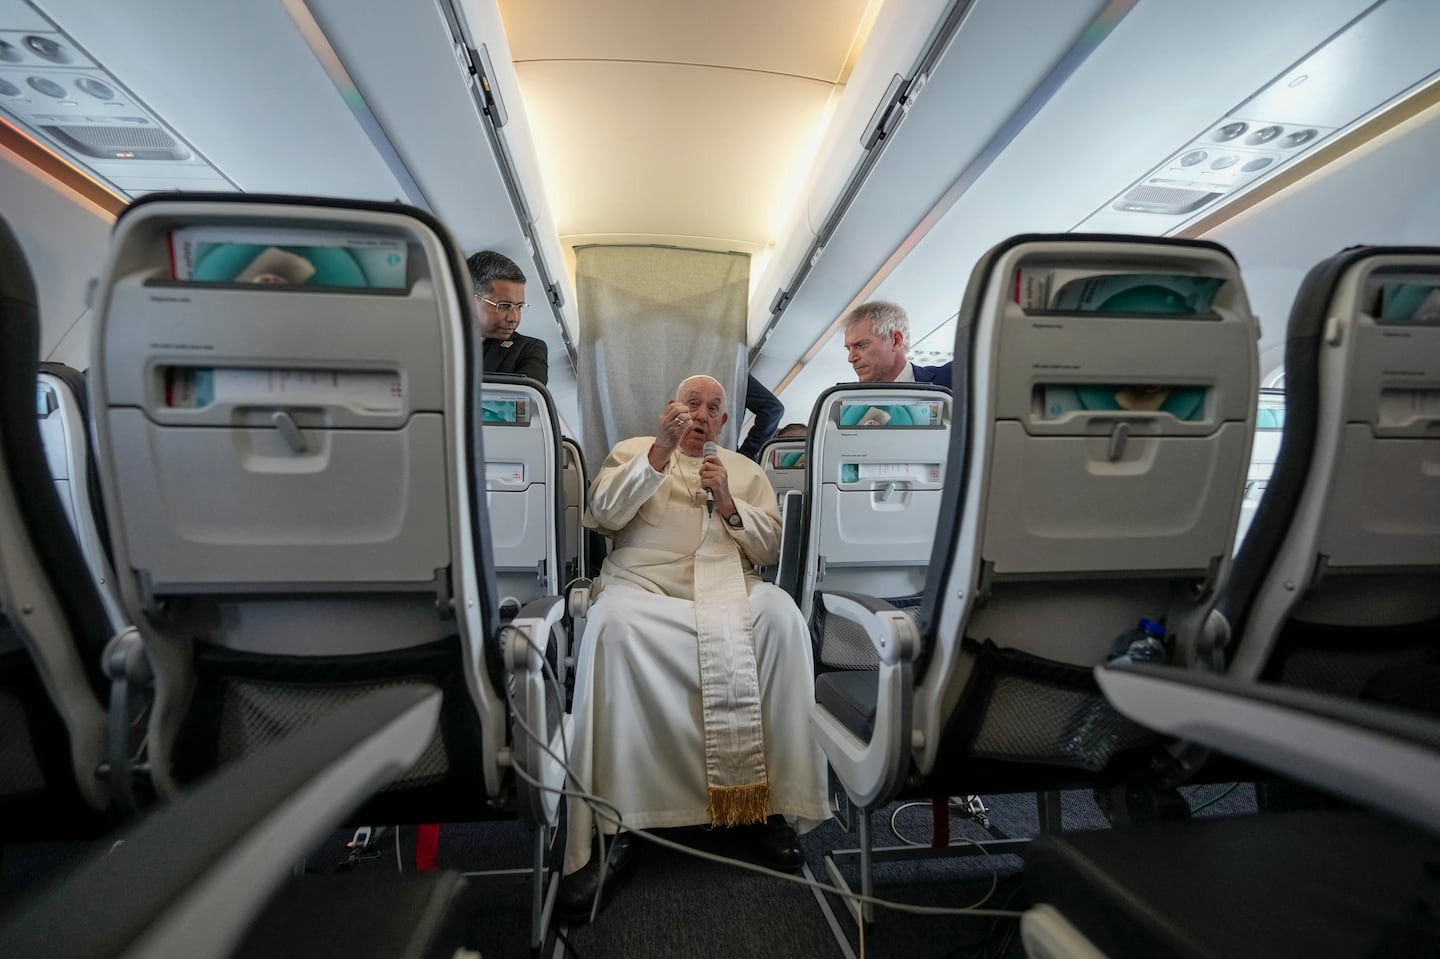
<point x="710" y="450"/>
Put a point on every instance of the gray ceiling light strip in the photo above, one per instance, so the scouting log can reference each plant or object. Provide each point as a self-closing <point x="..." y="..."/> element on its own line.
<point x="320" y="45"/>
<point x="475" y="61"/>
<point x="1095" y="33"/>
<point x="878" y="133"/>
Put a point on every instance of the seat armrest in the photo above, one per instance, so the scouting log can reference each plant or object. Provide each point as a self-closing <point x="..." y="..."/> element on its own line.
<point x="873" y="771"/>
<point x="536" y="623"/>
<point x="891" y="631"/>
<point x="579" y="596"/>
<point x="129" y="670"/>
<point x="1374" y="755"/>
<point x="189" y="879"/>
<point x="1046" y="932"/>
<point x="538" y="705"/>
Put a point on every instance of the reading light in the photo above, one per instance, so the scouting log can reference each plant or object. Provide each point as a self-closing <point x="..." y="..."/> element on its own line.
<point x="1375" y="61"/>
<point x="54" y="92"/>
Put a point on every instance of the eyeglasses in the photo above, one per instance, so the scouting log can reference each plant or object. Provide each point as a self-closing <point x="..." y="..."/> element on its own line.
<point x="504" y="306"/>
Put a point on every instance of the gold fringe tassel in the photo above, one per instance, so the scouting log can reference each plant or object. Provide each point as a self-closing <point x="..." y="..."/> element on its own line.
<point x="737" y="805"/>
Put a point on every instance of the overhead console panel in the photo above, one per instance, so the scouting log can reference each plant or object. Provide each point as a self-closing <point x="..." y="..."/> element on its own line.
<point x="54" y="91"/>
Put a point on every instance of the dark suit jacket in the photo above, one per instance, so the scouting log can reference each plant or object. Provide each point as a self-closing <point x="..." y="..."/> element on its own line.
<point x="939" y="375"/>
<point x="525" y="356"/>
<point x="768" y="410"/>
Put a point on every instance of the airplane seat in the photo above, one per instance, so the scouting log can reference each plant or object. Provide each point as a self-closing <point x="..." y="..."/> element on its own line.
<point x="526" y="491"/>
<point x="53" y="622"/>
<point x="287" y="403"/>
<point x="783" y="461"/>
<point x="1337" y="585"/>
<point x="577" y="581"/>
<point x="590" y="545"/>
<point x="877" y="464"/>
<point x="576" y="481"/>
<point x="788" y="568"/>
<point x="204" y="876"/>
<point x="1095" y="476"/>
<point x="524" y="487"/>
<point x="1255" y="886"/>
<point x="63" y="408"/>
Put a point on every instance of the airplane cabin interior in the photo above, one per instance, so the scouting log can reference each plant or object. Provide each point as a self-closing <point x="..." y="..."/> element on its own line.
<point x="953" y="479"/>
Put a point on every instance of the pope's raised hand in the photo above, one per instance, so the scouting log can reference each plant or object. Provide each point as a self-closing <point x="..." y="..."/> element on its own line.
<point x="673" y="424"/>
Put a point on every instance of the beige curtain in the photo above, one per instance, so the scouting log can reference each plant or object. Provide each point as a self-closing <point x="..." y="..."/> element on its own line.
<point x="649" y="317"/>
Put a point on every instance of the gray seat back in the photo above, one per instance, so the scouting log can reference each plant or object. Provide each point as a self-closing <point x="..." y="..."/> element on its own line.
<point x="576" y="483"/>
<point x="1339" y="578"/>
<point x="783" y="461"/>
<point x="1095" y="480"/>
<point x="53" y="624"/>
<point x="61" y="407"/>
<point x="523" y="487"/>
<point x="290" y="471"/>
<point x="875" y="471"/>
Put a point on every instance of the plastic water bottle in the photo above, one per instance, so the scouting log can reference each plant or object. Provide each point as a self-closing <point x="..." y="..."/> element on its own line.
<point x="1143" y="644"/>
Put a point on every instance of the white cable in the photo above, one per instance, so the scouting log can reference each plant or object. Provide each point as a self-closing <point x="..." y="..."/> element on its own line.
<point x="399" y="867"/>
<point x="972" y="910"/>
<point x="919" y="802"/>
<point x="594" y="802"/>
<point x="898" y="834"/>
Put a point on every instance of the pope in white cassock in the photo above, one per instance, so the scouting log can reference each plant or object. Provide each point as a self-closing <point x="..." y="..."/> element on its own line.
<point x="693" y="686"/>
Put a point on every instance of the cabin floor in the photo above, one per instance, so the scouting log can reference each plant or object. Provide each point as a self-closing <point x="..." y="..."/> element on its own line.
<point x="681" y="906"/>
<point x="677" y="905"/>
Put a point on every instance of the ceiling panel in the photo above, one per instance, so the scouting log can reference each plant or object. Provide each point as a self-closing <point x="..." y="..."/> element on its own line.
<point x="237" y="82"/>
<point x="1102" y="129"/>
<point x="1138" y="97"/>
<point x="806" y="38"/>
<point x="655" y="149"/>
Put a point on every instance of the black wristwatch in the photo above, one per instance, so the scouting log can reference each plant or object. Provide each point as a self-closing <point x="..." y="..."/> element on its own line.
<point x="733" y="520"/>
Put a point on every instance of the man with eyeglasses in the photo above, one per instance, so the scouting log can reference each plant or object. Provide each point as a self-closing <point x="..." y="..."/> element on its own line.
<point x="499" y="300"/>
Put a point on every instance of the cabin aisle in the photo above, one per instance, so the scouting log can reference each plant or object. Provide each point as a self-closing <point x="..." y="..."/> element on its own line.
<point x="679" y="906"/>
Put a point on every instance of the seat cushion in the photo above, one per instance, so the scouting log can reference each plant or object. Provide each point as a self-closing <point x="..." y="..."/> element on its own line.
<point x="850" y="695"/>
<point x="1326" y="883"/>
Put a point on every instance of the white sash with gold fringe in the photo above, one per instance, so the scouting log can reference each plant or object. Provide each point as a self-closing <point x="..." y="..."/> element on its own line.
<point x="735" y="775"/>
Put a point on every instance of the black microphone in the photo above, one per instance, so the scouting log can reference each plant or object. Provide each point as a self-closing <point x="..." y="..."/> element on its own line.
<point x="710" y="450"/>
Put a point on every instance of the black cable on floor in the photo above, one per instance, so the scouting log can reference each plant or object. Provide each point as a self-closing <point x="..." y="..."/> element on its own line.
<point x="1212" y="801"/>
<point x="1012" y="926"/>
<point x="981" y="948"/>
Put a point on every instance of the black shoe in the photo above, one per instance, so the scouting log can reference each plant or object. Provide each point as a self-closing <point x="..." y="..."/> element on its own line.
<point x="776" y="846"/>
<point x="577" y="890"/>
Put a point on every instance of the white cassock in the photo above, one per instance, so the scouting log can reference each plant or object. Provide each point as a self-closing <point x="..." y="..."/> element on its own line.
<point x="639" y="736"/>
